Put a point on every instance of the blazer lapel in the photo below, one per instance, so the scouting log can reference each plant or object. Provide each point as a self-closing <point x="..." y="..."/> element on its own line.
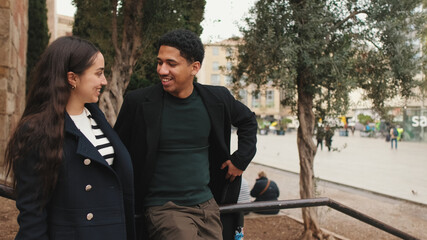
<point x="215" y="110"/>
<point x="152" y="112"/>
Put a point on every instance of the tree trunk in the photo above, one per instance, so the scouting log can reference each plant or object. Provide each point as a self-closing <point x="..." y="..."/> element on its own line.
<point x="126" y="53"/>
<point x="307" y="151"/>
<point x="112" y="98"/>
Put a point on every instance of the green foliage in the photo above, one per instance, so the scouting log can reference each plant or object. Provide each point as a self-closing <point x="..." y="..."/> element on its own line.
<point x="423" y="35"/>
<point x="169" y="15"/>
<point x="93" y="21"/>
<point x="38" y="34"/>
<point x="325" y="49"/>
<point x="364" y="119"/>
<point x="284" y="123"/>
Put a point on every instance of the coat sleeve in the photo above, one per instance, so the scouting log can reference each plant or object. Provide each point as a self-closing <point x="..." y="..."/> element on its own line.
<point x="32" y="217"/>
<point x="276" y="188"/>
<point x="245" y="121"/>
<point x="257" y="189"/>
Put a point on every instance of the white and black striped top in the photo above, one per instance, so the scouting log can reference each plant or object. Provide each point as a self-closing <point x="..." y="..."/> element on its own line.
<point x="88" y="126"/>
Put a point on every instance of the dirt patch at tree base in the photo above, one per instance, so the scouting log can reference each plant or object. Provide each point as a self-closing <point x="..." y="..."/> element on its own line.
<point x="259" y="227"/>
<point x="272" y="227"/>
<point x="8" y="214"/>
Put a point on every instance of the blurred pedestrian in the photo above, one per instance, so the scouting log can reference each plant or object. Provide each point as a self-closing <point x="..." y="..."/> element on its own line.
<point x="329" y="133"/>
<point x="393" y="136"/>
<point x="320" y="135"/>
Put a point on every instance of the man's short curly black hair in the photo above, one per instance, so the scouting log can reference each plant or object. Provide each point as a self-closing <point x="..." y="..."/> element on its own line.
<point x="187" y="42"/>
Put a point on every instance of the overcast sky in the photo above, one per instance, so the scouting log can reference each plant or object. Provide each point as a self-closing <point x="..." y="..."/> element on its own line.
<point x="222" y="17"/>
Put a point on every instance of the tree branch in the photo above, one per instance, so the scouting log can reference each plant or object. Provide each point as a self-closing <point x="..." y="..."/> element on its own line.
<point x="114" y="28"/>
<point x="338" y="24"/>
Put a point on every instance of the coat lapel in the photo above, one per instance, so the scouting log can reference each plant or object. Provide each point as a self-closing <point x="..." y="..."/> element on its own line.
<point x="122" y="165"/>
<point x="84" y="146"/>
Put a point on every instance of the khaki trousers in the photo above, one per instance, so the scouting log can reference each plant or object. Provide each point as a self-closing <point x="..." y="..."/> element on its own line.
<point x="173" y="222"/>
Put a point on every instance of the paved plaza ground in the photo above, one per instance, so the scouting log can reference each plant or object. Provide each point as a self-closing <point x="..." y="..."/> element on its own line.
<point x="360" y="162"/>
<point x="365" y="174"/>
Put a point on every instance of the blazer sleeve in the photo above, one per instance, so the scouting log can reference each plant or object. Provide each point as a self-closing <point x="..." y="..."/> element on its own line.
<point x="245" y="121"/>
<point x="32" y="217"/>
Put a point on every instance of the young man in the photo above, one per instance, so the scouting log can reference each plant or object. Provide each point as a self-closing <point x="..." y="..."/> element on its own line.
<point x="178" y="135"/>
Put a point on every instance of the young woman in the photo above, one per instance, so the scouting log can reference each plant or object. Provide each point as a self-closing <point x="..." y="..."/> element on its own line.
<point x="73" y="177"/>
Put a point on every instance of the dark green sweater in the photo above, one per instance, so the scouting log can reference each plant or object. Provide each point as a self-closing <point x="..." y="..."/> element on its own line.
<point x="182" y="168"/>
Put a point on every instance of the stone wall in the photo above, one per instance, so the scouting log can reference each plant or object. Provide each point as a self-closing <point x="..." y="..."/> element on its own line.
<point x="13" y="50"/>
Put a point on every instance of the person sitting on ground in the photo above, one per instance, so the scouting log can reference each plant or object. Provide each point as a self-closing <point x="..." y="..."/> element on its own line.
<point x="265" y="190"/>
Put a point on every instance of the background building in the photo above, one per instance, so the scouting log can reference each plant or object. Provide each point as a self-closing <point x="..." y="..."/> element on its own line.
<point x="59" y="25"/>
<point x="215" y="69"/>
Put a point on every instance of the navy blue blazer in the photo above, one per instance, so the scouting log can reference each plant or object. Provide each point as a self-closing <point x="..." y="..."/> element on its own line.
<point x="91" y="199"/>
<point x="138" y="126"/>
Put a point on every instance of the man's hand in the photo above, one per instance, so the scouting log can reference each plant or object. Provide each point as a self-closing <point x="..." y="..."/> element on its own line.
<point x="232" y="172"/>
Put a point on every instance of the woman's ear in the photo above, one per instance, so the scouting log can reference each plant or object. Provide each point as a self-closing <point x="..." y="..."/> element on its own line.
<point x="71" y="78"/>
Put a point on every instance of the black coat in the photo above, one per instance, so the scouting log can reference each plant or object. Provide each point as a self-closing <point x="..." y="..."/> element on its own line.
<point x="138" y="125"/>
<point x="91" y="199"/>
<point x="272" y="192"/>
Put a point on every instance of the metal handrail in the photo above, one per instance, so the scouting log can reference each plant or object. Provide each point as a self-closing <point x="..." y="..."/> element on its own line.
<point x="7" y="192"/>
<point x="314" y="202"/>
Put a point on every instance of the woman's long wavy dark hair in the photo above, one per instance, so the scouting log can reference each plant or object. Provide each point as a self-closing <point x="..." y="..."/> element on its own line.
<point x="40" y="131"/>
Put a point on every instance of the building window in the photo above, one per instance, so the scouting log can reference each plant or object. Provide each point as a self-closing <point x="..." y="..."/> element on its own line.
<point x="229" y="66"/>
<point x="228" y="52"/>
<point x="228" y="80"/>
<point x="243" y="95"/>
<point x="215" y="66"/>
<point x="243" y="80"/>
<point x="215" y="51"/>
<point x="215" y="79"/>
<point x="269" y="98"/>
<point x="255" y="100"/>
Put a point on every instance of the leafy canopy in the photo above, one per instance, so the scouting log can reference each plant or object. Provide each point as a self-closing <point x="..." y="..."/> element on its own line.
<point x="93" y="22"/>
<point x="326" y="48"/>
<point x="38" y="34"/>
